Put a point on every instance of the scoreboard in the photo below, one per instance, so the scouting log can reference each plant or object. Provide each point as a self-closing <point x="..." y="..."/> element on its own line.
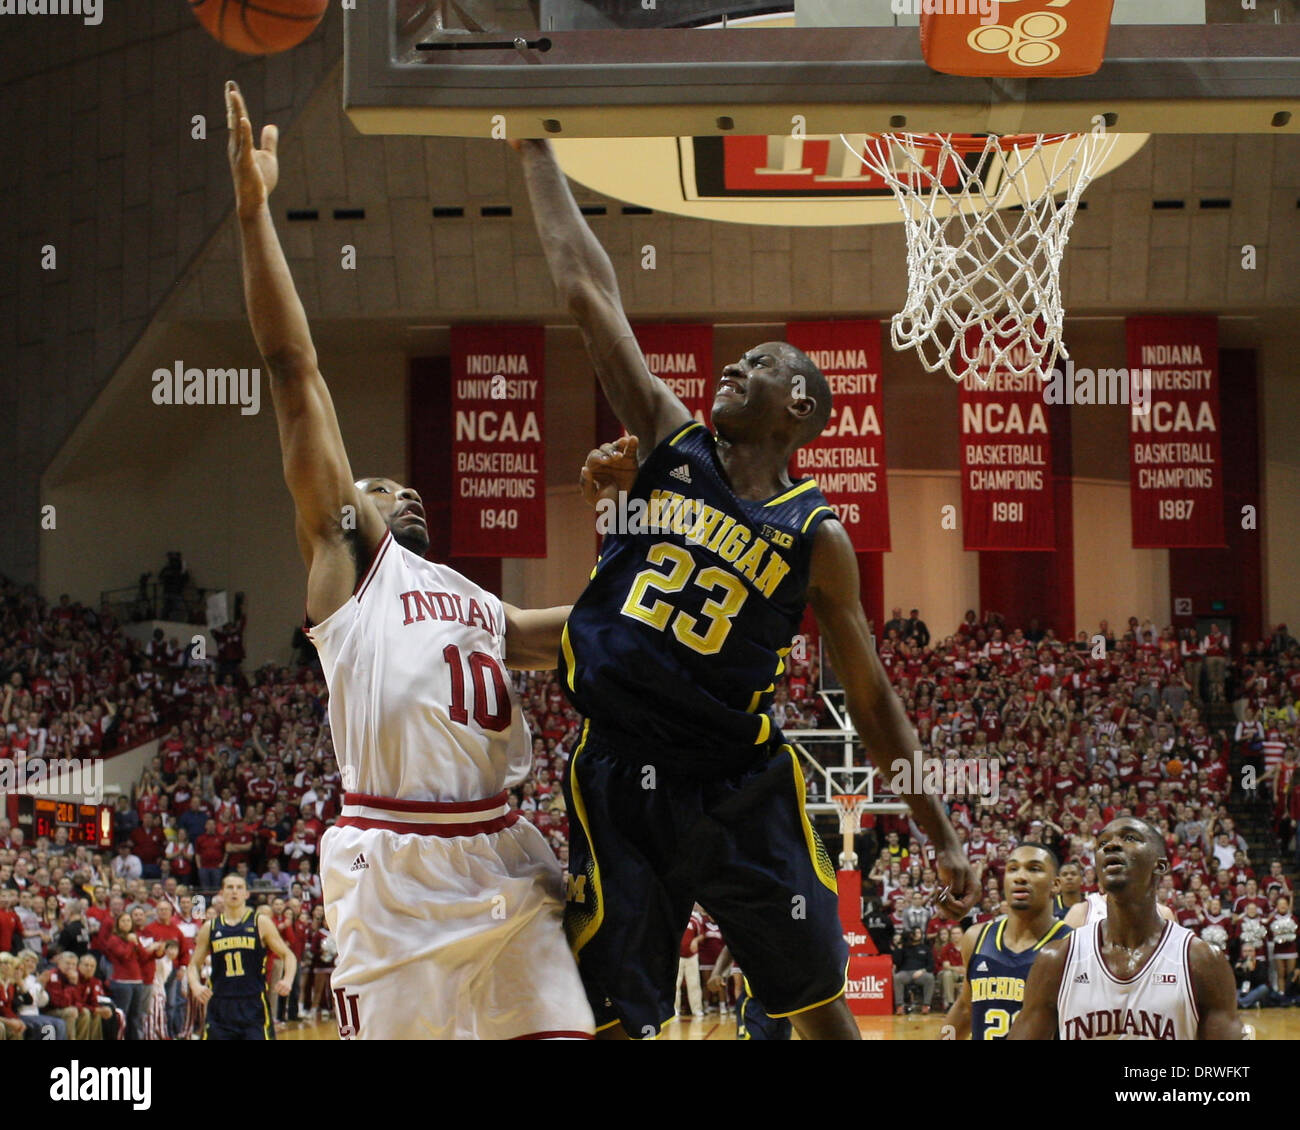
<point x="90" y="824"/>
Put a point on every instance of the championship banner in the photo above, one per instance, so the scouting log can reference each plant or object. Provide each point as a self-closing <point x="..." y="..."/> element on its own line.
<point x="1007" y="496"/>
<point x="682" y="357"/>
<point x="1175" y="457"/>
<point x="498" y="502"/>
<point x="848" y="458"/>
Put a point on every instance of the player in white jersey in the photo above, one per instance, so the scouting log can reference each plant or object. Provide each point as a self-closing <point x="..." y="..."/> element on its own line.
<point x="446" y="909"/>
<point x="1130" y="975"/>
<point x="1093" y="908"/>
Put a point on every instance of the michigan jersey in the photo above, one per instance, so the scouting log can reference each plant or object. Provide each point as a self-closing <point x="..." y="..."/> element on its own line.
<point x="675" y="646"/>
<point x="997" y="977"/>
<point x="238" y="957"/>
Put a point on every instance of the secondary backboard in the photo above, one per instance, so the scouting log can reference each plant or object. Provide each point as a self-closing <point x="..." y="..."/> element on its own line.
<point x="699" y="68"/>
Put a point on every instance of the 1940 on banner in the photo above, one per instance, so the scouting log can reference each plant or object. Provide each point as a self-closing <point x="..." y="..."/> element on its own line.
<point x="497" y="400"/>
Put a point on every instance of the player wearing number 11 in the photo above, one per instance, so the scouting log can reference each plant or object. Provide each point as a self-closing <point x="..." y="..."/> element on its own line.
<point x="238" y="939"/>
<point x="681" y="789"/>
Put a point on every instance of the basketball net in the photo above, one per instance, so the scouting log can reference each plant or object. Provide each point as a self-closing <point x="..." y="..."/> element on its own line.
<point x="851" y="807"/>
<point x="984" y="279"/>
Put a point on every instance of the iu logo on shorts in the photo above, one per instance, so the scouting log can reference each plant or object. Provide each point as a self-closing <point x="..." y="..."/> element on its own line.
<point x="346" y="1012"/>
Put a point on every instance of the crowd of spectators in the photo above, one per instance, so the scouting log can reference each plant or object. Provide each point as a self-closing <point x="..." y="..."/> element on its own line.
<point x="245" y="781"/>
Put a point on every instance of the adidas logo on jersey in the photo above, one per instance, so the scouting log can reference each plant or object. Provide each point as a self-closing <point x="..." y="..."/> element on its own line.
<point x="982" y="967"/>
<point x="683" y="472"/>
<point x="1082" y="979"/>
<point x="359" y="864"/>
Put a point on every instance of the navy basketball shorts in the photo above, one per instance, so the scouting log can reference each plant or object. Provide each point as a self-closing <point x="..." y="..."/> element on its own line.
<point x="647" y="843"/>
<point x="753" y="1022"/>
<point x="239" y="1018"/>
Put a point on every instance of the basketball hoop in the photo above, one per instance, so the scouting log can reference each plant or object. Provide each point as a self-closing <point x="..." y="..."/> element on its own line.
<point x="984" y="284"/>
<point x="851" y="806"/>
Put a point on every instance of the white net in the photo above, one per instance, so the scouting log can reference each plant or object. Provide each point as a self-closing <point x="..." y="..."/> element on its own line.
<point x="987" y="220"/>
<point x="850" y="814"/>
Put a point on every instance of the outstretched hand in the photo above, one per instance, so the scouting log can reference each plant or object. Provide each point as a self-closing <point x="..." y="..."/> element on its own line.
<point x="256" y="171"/>
<point x="609" y="469"/>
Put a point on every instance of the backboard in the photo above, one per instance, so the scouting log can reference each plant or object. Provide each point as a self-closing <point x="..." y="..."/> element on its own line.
<point x="702" y="68"/>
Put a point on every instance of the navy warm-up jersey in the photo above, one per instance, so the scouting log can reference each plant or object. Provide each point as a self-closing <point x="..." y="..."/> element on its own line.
<point x="674" y="647"/>
<point x="238" y="957"/>
<point x="997" y="978"/>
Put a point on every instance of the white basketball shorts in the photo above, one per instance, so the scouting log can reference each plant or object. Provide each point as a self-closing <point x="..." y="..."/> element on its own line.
<point x="449" y="920"/>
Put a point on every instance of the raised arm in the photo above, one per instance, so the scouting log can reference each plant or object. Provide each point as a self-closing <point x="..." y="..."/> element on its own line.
<point x="1216" y="993"/>
<point x="585" y="278"/>
<point x="315" y="462"/>
<point x="882" y="724"/>
<point x="1037" y="1019"/>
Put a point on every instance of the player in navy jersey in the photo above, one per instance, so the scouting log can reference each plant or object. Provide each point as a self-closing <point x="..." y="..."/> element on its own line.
<point x="681" y="788"/>
<point x="999" y="954"/>
<point x="238" y="939"/>
<point x="1069" y="889"/>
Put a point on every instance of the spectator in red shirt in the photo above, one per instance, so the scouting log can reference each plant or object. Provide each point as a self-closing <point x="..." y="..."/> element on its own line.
<point x="11" y="926"/>
<point x="93" y="996"/>
<point x="210" y="851"/>
<point x="65" y="998"/>
<point x="149" y="843"/>
<point x="127" y="986"/>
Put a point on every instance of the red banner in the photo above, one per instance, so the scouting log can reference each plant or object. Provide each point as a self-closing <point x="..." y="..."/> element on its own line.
<point x="682" y="357"/>
<point x="848" y="458"/>
<point x="498" y="504"/>
<point x="1007" y="496"/>
<point x="1175" y="454"/>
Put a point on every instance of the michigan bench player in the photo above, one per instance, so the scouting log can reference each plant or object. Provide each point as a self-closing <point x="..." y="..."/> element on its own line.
<point x="681" y="789"/>
<point x="446" y="909"/>
<point x="999" y="954"/>
<point x="1130" y="975"/>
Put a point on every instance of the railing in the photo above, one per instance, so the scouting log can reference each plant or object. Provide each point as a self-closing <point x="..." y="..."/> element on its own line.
<point x="149" y="601"/>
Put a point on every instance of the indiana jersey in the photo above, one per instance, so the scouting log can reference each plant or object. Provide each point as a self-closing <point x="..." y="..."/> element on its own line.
<point x="997" y="977"/>
<point x="238" y="956"/>
<point x="674" y="648"/>
<point x="421" y="708"/>
<point x="1156" y="1003"/>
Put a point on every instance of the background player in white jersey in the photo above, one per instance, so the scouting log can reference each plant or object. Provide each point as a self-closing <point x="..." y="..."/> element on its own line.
<point x="1094" y="906"/>
<point x="1129" y="975"/>
<point x="445" y="908"/>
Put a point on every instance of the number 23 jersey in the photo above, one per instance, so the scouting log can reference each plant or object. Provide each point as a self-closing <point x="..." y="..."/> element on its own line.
<point x="675" y="646"/>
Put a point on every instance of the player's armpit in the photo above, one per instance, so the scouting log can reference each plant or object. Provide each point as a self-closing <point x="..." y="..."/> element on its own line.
<point x="1037" y="1018"/>
<point x="1216" y="993"/>
<point x="533" y="636"/>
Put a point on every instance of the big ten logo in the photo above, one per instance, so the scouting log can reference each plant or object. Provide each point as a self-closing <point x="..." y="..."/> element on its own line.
<point x="348" y="1014"/>
<point x="1028" y="42"/>
<point x="575" y="888"/>
<point x="776" y="537"/>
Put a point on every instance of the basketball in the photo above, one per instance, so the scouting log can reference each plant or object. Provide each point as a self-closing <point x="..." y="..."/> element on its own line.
<point x="1174" y="767"/>
<point x="264" y="27"/>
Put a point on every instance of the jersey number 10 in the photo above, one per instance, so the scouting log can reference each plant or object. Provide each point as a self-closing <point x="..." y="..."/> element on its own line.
<point x="481" y="667"/>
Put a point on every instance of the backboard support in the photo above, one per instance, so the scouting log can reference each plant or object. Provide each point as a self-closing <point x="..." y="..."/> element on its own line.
<point x="407" y="72"/>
